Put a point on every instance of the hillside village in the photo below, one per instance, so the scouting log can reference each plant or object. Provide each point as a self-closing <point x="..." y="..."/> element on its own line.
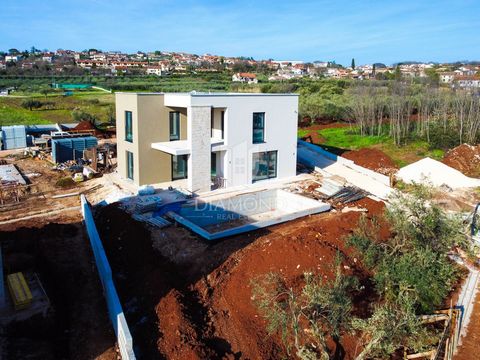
<point x="162" y="63"/>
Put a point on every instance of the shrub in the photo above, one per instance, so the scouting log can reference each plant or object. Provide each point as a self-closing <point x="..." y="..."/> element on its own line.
<point x="305" y="318"/>
<point x="31" y="104"/>
<point x="65" y="182"/>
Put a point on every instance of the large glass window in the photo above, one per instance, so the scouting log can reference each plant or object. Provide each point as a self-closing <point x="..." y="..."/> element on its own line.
<point x="130" y="165"/>
<point x="128" y="126"/>
<point x="258" y="128"/>
<point x="264" y="165"/>
<point x="174" y="125"/>
<point x="179" y="167"/>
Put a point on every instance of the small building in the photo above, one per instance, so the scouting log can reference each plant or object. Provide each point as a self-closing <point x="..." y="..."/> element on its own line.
<point x="12" y="58"/>
<point x="468" y="82"/>
<point x="155" y="70"/>
<point x="447" y="77"/>
<point x="248" y="78"/>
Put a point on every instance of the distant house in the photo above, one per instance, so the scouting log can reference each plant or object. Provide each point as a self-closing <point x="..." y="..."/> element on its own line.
<point x="468" y="82"/>
<point x="47" y="58"/>
<point x="155" y="70"/>
<point x="248" y="78"/>
<point x="447" y="77"/>
<point x="12" y="58"/>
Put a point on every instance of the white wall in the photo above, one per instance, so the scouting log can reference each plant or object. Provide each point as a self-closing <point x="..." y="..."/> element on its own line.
<point x="281" y="115"/>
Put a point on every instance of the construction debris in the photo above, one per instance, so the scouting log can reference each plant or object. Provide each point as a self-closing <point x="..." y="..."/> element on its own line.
<point x="10" y="175"/>
<point x="148" y="203"/>
<point x="348" y="194"/>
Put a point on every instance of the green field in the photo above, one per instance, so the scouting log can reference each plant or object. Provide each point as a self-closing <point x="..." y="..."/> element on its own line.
<point x="57" y="108"/>
<point x="338" y="140"/>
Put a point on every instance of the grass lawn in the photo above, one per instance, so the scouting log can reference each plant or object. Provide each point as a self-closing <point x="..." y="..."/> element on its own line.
<point x="98" y="104"/>
<point x="341" y="139"/>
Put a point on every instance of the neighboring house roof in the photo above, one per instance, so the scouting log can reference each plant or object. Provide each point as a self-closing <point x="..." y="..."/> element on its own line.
<point x="247" y="75"/>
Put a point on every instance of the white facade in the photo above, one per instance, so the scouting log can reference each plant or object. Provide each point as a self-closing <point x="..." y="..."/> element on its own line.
<point x="447" y="78"/>
<point x="230" y="143"/>
<point x="12" y="58"/>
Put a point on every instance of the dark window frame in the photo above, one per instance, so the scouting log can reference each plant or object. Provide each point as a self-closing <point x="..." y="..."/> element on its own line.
<point x="222" y="124"/>
<point x="174" y="116"/>
<point x="128" y="126"/>
<point x="185" y="176"/>
<point x="256" y="127"/>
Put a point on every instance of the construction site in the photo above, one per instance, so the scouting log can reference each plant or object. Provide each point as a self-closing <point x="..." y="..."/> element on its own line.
<point x="93" y="267"/>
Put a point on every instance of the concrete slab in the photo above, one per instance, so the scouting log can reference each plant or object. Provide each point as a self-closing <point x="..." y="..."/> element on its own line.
<point x="9" y="173"/>
<point x="239" y="213"/>
<point x="330" y="165"/>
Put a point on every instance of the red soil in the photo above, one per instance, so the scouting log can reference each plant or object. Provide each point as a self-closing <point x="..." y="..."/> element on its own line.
<point x="471" y="343"/>
<point x="372" y="159"/>
<point x="464" y="158"/>
<point x="198" y="298"/>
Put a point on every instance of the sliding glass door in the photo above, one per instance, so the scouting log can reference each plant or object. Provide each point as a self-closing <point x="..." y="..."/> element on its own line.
<point x="264" y="165"/>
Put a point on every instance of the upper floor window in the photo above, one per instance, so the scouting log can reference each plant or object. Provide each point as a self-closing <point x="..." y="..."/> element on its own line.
<point x="222" y="124"/>
<point x="258" y="128"/>
<point x="174" y="125"/>
<point x="128" y="126"/>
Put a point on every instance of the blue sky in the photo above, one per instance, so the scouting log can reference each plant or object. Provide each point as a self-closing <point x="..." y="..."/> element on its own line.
<point x="370" y="31"/>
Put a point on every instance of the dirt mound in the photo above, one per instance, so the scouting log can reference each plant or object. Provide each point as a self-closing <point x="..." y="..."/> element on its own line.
<point x="372" y="159"/>
<point x="464" y="158"/>
<point x="192" y="299"/>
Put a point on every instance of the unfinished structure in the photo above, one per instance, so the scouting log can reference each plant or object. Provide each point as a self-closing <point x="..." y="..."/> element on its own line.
<point x="206" y="140"/>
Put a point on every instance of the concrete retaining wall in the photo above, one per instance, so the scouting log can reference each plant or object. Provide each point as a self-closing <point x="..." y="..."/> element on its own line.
<point x="117" y="317"/>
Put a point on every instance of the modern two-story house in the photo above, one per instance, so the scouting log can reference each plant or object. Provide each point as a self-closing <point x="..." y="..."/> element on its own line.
<point x="210" y="140"/>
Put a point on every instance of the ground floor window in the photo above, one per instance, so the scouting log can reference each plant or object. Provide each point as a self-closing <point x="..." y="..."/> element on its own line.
<point x="130" y="165"/>
<point x="264" y="165"/>
<point x="179" y="167"/>
<point x="214" y="164"/>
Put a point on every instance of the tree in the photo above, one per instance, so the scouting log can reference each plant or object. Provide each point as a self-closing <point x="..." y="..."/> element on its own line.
<point x="80" y="115"/>
<point x="306" y="317"/>
<point x="31" y="104"/>
<point x="398" y="73"/>
<point x="353" y="64"/>
<point x="415" y="256"/>
<point x="391" y="326"/>
<point x="45" y="91"/>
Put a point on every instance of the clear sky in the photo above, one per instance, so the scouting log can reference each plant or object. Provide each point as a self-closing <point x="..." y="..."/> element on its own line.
<point x="370" y="31"/>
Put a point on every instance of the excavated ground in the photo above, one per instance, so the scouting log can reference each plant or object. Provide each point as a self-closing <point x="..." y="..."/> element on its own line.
<point x="464" y="158"/>
<point x="188" y="299"/>
<point x="372" y="159"/>
<point x="77" y="325"/>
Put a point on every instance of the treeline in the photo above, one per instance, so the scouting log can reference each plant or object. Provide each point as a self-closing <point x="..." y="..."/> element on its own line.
<point x="441" y="117"/>
<point x="405" y="111"/>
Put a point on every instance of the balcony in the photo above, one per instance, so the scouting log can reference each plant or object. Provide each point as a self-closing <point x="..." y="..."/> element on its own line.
<point x="182" y="147"/>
